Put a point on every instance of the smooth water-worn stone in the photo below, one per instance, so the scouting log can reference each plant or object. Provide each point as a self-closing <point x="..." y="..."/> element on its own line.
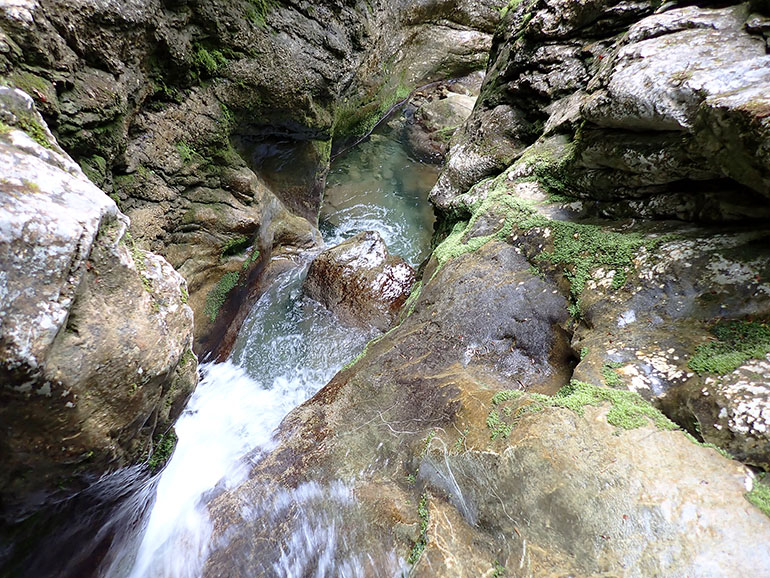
<point x="95" y="334"/>
<point x="360" y="282"/>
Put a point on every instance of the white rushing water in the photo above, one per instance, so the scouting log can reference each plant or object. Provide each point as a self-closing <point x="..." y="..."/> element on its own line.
<point x="288" y="348"/>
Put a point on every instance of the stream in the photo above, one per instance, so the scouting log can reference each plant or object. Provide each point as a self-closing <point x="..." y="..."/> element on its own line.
<point x="288" y="348"/>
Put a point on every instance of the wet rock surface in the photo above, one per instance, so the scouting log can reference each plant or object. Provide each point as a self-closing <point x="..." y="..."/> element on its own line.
<point x="184" y="112"/>
<point x="444" y="456"/>
<point x="360" y="282"/>
<point x="95" y="352"/>
<point x="554" y="266"/>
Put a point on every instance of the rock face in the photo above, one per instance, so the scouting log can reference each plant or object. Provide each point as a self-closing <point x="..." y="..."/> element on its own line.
<point x="433" y="116"/>
<point x="430" y="449"/>
<point x="96" y="336"/>
<point x="360" y="282"/>
<point x="449" y="448"/>
<point x="654" y="121"/>
<point x="185" y="111"/>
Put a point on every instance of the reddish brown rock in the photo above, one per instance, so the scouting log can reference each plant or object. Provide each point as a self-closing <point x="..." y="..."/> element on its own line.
<point x="360" y="282"/>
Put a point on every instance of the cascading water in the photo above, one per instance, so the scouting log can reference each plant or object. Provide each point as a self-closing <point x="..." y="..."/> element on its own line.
<point x="288" y="348"/>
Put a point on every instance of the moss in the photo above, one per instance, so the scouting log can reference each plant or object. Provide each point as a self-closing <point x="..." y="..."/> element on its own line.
<point x="95" y="168"/>
<point x="251" y="259"/>
<point x="164" y="447"/>
<point x="186" y="152"/>
<point x="737" y="342"/>
<point x="628" y="411"/>
<point x="760" y="495"/>
<point x="358" y="117"/>
<point x="419" y="547"/>
<point x="579" y="249"/>
<point x="611" y="377"/>
<point x="235" y="245"/>
<point x="208" y="62"/>
<point x="584" y="353"/>
<point x="411" y="301"/>
<point x="512" y="4"/>
<point x="259" y="10"/>
<point x="34" y="129"/>
<point x="498" y="571"/>
<point x="216" y="297"/>
<point x="187" y="358"/>
<point x="185" y="295"/>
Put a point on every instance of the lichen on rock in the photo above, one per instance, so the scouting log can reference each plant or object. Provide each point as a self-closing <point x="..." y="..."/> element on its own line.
<point x="95" y="351"/>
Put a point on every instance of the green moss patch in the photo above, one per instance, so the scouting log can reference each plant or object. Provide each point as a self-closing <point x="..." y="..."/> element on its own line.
<point x="358" y="117"/>
<point x="216" y="297"/>
<point x="161" y="453"/>
<point x="737" y="342"/>
<point x="610" y="375"/>
<point x="208" y="62"/>
<point x="422" y="541"/>
<point x="235" y="245"/>
<point x="760" y="495"/>
<point x="629" y="410"/>
<point x="578" y="249"/>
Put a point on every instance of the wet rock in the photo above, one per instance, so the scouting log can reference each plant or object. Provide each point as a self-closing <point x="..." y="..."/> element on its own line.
<point x="95" y="348"/>
<point x="433" y="116"/>
<point x="360" y="282"/>
<point x="460" y="471"/>
<point x="154" y="100"/>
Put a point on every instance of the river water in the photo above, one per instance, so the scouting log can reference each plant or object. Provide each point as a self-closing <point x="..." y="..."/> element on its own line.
<point x="288" y="348"/>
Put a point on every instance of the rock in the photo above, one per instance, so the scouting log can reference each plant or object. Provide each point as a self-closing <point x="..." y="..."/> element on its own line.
<point x="435" y="118"/>
<point x="360" y="282"/>
<point x="95" y="348"/>
<point x="459" y="470"/>
<point x="162" y="103"/>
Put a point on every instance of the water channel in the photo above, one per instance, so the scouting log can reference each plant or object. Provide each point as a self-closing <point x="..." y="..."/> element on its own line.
<point x="288" y="348"/>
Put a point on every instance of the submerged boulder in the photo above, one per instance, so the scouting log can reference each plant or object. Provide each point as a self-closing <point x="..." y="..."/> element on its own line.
<point x="95" y="334"/>
<point x="360" y="282"/>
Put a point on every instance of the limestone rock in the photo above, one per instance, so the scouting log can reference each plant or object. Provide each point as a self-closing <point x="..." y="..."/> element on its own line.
<point x="95" y="334"/>
<point x="360" y="282"/>
<point x="435" y="115"/>
<point x="408" y="430"/>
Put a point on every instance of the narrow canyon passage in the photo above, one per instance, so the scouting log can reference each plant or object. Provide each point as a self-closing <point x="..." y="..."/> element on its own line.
<point x="288" y="348"/>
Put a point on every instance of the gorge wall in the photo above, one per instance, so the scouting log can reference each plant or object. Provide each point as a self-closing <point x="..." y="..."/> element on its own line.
<point x="578" y="383"/>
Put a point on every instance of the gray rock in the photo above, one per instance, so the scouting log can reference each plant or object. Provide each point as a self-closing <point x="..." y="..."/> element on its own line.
<point x="95" y="334"/>
<point x="360" y="282"/>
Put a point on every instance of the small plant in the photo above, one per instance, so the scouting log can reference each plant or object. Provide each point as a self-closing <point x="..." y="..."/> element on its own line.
<point x="629" y="410"/>
<point x="208" y="61"/>
<point x="611" y="377"/>
<point x="186" y="152"/>
<point x="164" y="447"/>
<point x="235" y="245"/>
<point x="760" y="495"/>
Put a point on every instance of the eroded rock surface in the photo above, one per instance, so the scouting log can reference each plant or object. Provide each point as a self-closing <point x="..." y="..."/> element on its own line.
<point x="553" y="267"/>
<point x="184" y="112"/>
<point x="429" y="451"/>
<point x="95" y="334"/>
<point x="360" y="281"/>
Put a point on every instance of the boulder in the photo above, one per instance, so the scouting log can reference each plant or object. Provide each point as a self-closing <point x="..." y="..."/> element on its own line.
<point x="95" y="334"/>
<point x="360" y="282"/>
